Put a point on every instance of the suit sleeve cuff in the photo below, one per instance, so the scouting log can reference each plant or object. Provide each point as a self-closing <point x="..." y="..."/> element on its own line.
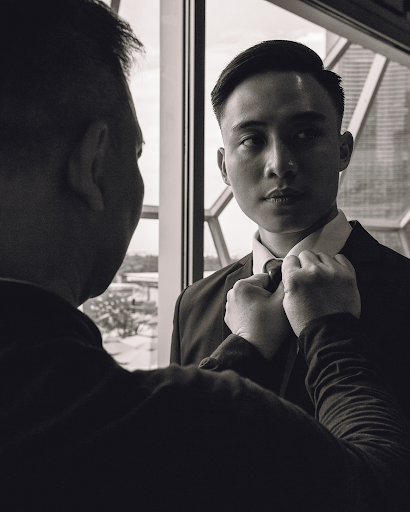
<point x="236" y="354"/>
<point x="327" y="330"/>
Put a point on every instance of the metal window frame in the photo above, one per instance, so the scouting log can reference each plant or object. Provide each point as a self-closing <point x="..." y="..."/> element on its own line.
<point x="181" y="204"/>
<point x="115" y="5"/>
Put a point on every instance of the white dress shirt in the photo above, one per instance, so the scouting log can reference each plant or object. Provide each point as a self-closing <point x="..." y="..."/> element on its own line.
<point x="329" y="239"/>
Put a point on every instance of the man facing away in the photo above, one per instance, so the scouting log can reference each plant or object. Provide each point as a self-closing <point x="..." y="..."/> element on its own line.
<point x="78" y="432"/>
<point x="280" y="114"/>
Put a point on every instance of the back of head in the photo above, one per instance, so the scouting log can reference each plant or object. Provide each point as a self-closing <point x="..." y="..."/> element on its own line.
<point x="275" y="55"/>
<point x="63" y="64"/>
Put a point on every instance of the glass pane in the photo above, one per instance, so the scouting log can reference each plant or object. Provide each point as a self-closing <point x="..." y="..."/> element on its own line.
<point x="353" y="67"/>
<point x="144" y="19"/>
<point x="238" y="230"/>
<point x="127" y="312"/>
<point x="377" y="183"/>
<point x="209" y="243"/>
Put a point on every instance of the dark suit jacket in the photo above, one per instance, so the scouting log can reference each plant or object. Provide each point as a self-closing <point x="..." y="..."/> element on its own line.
<point x="383" y="278"/>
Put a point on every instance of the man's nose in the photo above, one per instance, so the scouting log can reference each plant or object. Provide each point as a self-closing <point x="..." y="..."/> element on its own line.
<point x="280" y="160"/>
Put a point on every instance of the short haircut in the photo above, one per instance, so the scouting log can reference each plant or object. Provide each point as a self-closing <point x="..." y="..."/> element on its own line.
<point x="63" y="65"/>
<point x="275" y="55"/>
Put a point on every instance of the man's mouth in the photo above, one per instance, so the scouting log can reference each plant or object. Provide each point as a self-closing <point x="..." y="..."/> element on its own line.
<point x="285" y="196"/>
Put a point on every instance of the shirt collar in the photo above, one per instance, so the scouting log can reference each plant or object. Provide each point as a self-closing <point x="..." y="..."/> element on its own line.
<point x="329" y="239"/>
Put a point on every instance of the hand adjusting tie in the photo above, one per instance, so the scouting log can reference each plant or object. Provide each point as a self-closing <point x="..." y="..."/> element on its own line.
<point x="273" y="268"/>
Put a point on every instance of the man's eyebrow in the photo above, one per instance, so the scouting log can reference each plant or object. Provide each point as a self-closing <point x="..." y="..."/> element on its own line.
<point x="298" y="116"/>
<point x="247" y="124"/>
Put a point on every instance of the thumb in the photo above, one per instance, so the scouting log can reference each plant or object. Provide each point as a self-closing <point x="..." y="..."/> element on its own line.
<point x="260" y="280"/>
<point x="290" y="264"/>
<point x="345" y="262"/>
<point x="279" y="294"/>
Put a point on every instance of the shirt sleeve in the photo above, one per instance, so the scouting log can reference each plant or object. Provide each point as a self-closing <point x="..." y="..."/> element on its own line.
<point x="237" y="354"/>
<point x="346" y="381"/>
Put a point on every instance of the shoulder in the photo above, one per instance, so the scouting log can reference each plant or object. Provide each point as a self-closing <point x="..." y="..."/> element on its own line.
<point x="362" y="249"/>
<point x="190" y="384"/>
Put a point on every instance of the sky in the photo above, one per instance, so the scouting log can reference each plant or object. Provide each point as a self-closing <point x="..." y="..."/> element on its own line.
<point x="231" y="27"/>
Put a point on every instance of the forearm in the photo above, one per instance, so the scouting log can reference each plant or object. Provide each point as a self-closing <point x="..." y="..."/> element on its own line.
<point x="236" y="354"/>
<point x="353" y="401"/>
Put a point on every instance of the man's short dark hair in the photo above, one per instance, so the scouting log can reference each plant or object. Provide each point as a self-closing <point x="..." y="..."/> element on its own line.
<point x="275" y="55"/>
<point x="63" y="65"/>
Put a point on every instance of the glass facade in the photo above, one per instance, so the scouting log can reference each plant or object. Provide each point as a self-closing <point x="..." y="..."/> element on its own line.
<point x="376" y="187"/>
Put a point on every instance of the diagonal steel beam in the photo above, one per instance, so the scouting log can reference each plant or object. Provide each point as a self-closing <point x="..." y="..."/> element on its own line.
<point x="219" y="241"/>
<point x="115" y="5"/>
<point x="221" y="203"/>
<point x="336" y="52"/>
<point x="149" y="212"/>
<point x="405" y="219"/>
<point x="366" y="99"/>
<point x="404" y="242"/>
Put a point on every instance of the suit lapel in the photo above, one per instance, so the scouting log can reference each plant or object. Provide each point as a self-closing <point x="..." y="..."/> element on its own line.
<point x="363" y="251"/>
<point x="244" y="271"/>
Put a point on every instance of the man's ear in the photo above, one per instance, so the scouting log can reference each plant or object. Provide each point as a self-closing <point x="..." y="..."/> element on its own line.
<point x="346" y="149"/>
<point x="221" y="165"/>
<point x="87" y="164"/>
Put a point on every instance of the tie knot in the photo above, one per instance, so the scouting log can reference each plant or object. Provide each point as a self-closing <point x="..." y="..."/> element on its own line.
<point x="273" y="268"/>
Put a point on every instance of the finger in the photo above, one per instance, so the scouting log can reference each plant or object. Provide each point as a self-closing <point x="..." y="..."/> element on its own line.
<point x="279" y="293"/>
<point x="290" y="263"/>
<point x="308" y="258"/>
<point x="325" y="258"/>
<point x="261" y="280"/>
<point x="345" y="262"/>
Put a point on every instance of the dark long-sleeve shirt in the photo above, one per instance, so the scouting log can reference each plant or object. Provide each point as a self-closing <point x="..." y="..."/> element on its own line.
<point x="77" y="432"/>
<point x="351" y="398"/>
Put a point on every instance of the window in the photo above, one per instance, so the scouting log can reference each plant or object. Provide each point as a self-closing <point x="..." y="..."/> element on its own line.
<point x="374" y="189"/>
<point x="127" y="312"/>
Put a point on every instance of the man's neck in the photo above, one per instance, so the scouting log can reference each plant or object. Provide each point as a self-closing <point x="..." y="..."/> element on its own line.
<point x="279" y="244"/>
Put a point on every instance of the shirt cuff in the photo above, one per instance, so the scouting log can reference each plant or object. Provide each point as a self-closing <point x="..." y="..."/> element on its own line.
<point x="237" y="354"/>
<point x="329" y="329"/>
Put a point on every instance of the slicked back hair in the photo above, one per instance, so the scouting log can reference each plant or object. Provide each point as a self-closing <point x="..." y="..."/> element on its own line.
<point x="275" y="55"/>
<point x="63" y="65"/>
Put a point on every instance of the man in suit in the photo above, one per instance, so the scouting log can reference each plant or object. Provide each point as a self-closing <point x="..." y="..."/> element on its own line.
<point x="280" y="115"/>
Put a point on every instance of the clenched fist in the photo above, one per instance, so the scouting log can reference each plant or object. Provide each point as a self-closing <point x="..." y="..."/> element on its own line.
<point x="317" y="285"/>
<point x="257" y="315"/>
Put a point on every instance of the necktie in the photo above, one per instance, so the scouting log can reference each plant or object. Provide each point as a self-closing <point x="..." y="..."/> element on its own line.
<point x="273" y="268"/>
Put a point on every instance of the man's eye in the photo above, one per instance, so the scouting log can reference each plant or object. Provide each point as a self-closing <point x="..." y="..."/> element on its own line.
<point x="309" y="133"/>
<point x="252" y="141"/>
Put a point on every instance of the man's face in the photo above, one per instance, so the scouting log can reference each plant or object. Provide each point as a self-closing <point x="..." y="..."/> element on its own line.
<point x="283" y="151"/>
<point x="124" y="193"/>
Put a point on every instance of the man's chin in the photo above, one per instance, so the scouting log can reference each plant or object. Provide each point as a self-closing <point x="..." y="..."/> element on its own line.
<point x="291" y="226"/>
